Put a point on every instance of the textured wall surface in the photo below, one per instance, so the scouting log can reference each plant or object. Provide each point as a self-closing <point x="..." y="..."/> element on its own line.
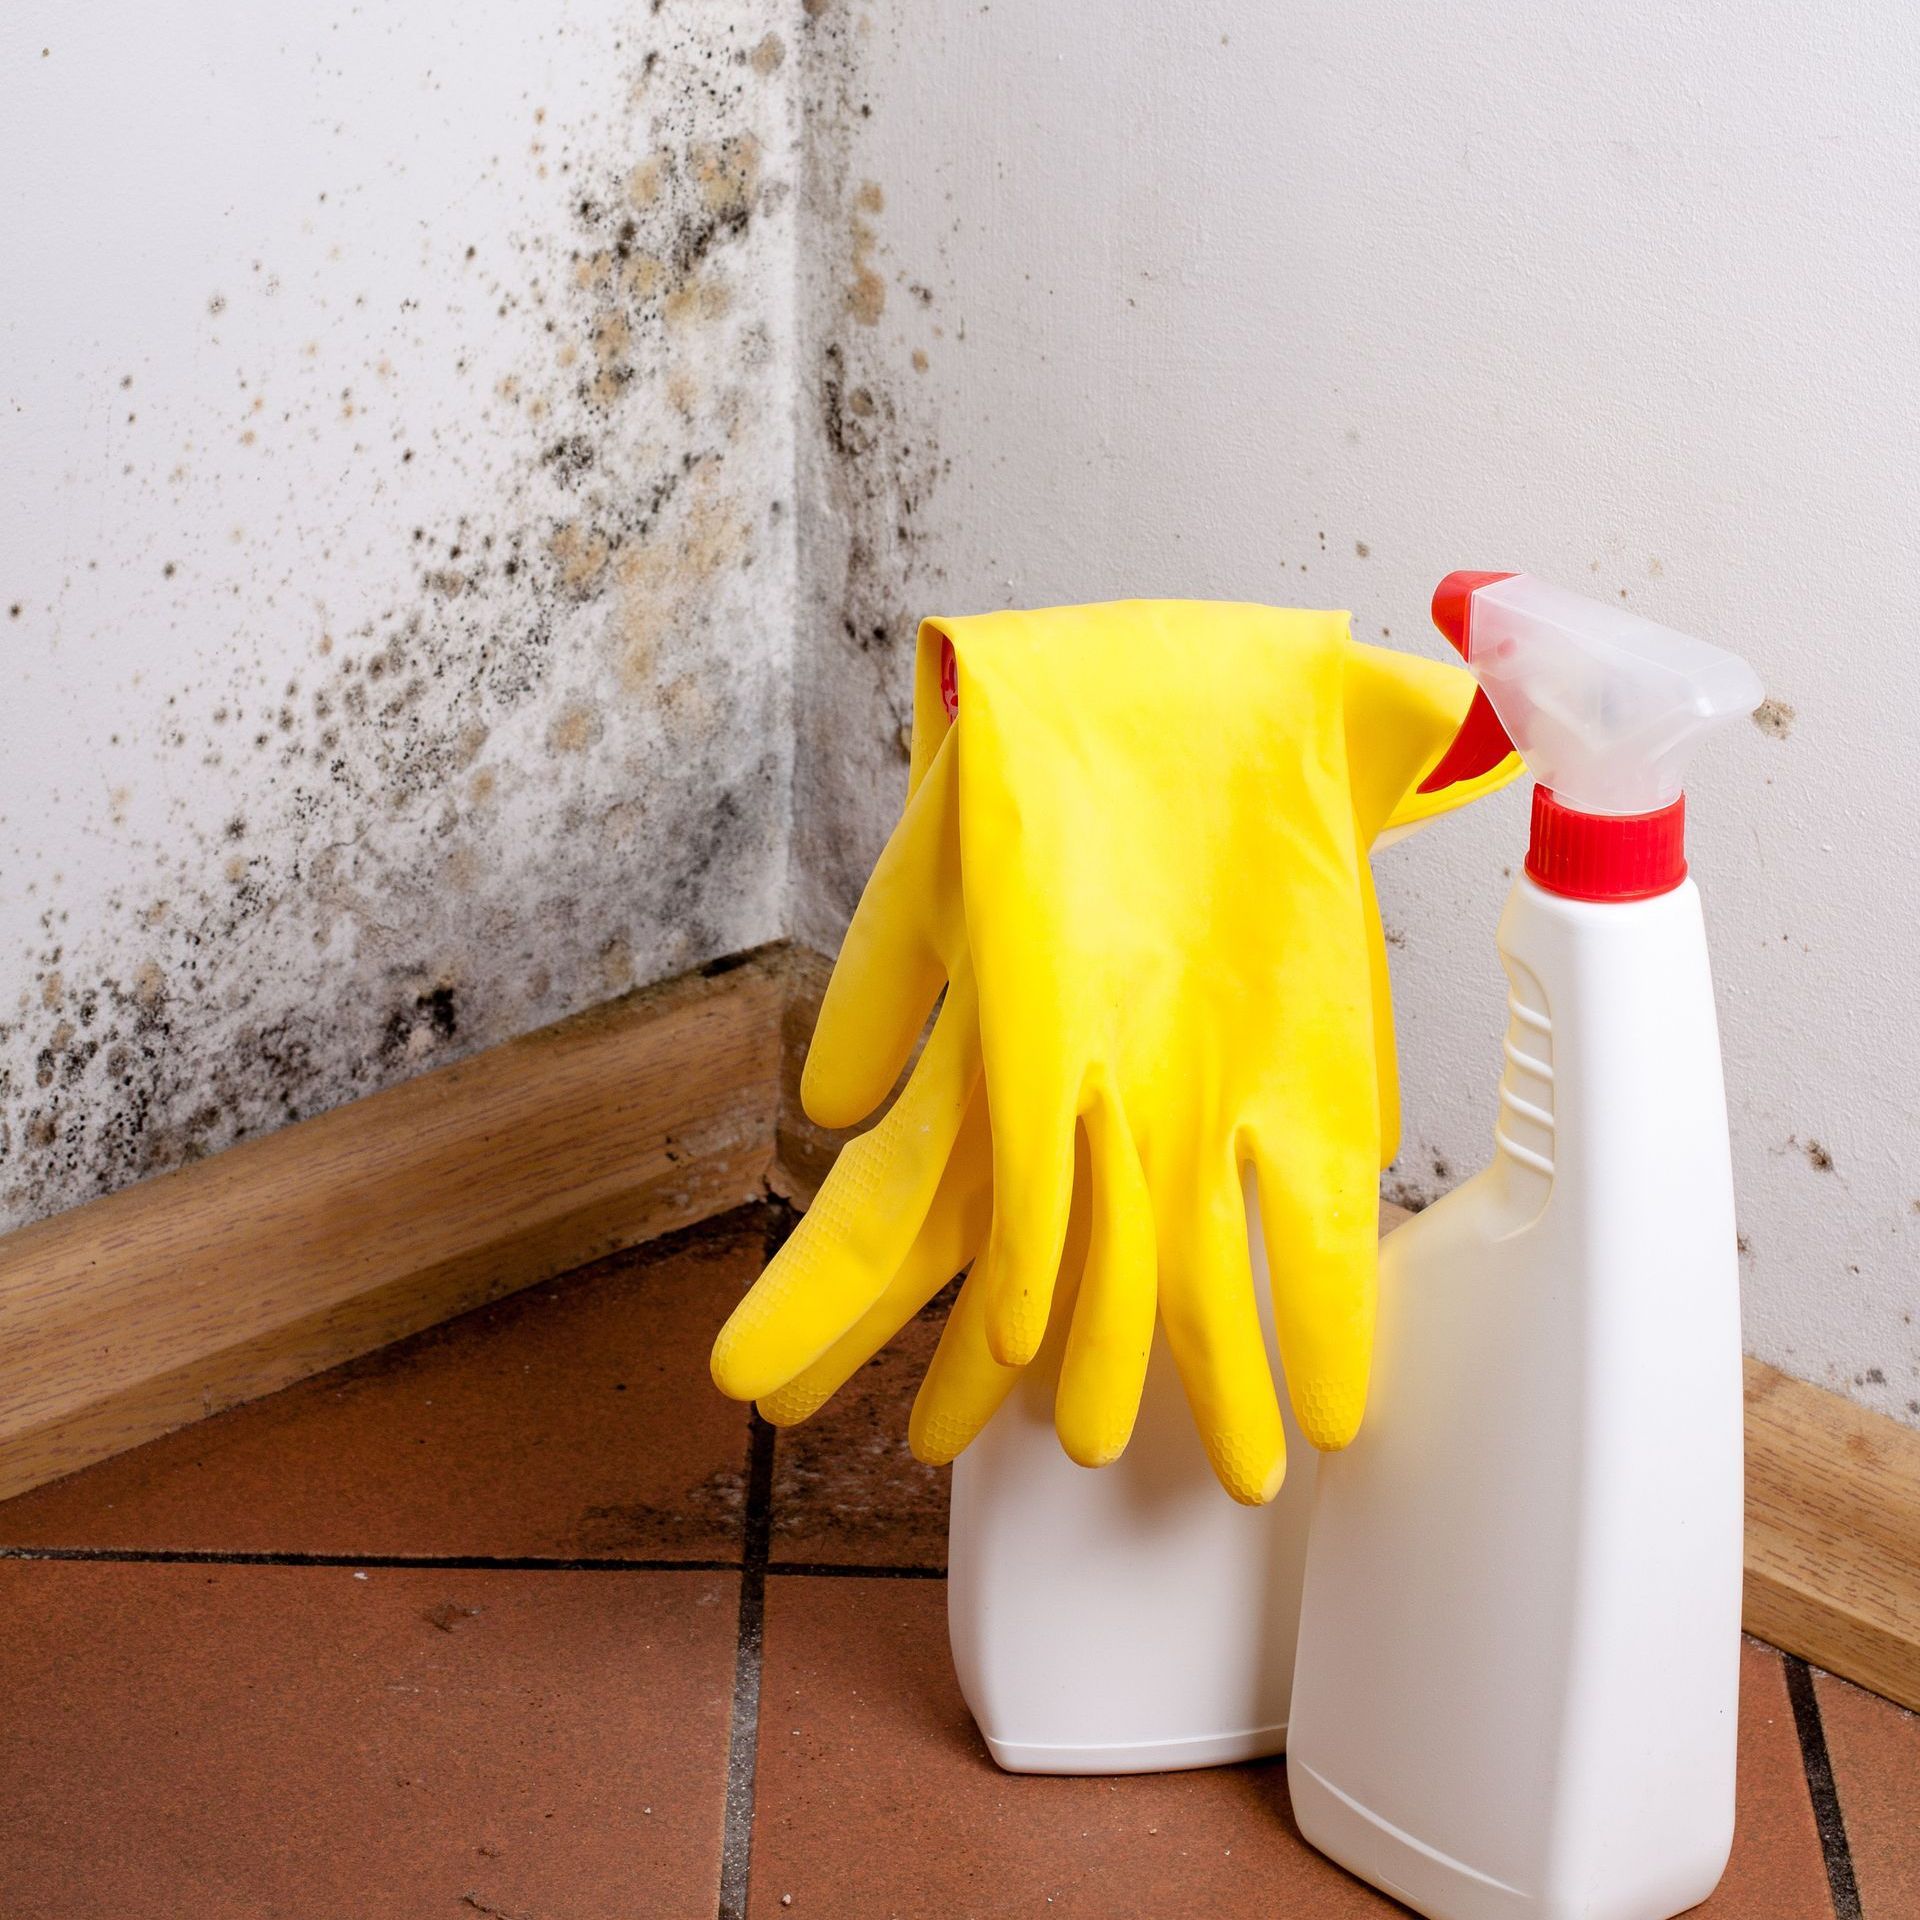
<point x="396" y="544"/>
<point x="469" y="478"/>
<point x="1315" y="303"/>
<point x="869" y="461"/>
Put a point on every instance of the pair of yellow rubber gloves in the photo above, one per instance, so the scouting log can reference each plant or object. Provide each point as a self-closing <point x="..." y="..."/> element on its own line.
<point x="1136" y="862"/>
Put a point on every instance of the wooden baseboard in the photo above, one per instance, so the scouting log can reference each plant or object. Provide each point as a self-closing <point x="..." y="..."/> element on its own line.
<point x="802" y="1152"/>
<point x="154" y="1307"/>
<point x="138" y="1313"/>
<point x="1833" y="1533"/>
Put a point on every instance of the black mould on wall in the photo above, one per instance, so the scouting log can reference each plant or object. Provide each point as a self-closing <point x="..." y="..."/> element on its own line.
<point x="539" y="775"/>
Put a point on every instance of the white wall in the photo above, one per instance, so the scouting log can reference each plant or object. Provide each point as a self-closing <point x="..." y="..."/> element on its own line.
<point x="1306" y="303"/>
<point x="396" y="552"/>
<point x="1316" y="302"/>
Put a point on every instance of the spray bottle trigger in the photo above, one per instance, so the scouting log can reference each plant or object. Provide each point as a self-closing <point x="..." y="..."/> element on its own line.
<point x="1482" y="742"/>
<point x="1480" y="746"/>
<point x="1453" y="606"/>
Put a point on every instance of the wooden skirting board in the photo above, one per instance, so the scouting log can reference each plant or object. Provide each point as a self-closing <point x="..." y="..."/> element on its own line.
<point x="191" y="1292"/>
<point x="153" y="1307"/>
<point x="1833" y="1533"/>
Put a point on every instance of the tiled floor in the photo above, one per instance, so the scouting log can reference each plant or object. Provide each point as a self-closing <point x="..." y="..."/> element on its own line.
<point x="520" y="1620"/>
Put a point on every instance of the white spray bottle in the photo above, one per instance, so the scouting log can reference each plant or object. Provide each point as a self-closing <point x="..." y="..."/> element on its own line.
<point x="1519" y="1647"/>
<point x="1131" y="1620"/>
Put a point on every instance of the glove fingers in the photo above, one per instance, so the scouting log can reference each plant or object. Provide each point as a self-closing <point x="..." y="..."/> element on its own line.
<point x="890" y="968"/>
<point x="954" y="1231"/>
<point x="964" y="1383"/>
<point x="855" y="1236"/>
<point x="1033" y="1156"/>
<point x="1111" y="1335"/>
<point x="1320" y="1213"/>
<point x="1213" y="1328"/>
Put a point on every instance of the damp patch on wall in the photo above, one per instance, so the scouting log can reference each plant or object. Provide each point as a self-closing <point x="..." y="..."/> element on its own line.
<point x="869" y="460"/>
<point x="402" y="642"/>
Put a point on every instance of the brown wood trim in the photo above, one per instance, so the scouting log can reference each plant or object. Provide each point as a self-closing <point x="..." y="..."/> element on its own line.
<point x="1833" y="1533"/>
<point x="803" y="1151"/>
<point x="140" y="1312"/>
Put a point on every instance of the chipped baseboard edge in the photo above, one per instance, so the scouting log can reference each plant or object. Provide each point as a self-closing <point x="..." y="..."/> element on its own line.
<point x="199" y="1289"/>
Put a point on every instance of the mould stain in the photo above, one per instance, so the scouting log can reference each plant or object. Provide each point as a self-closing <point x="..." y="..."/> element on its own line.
<point x="553" y="766"/>
<point x="867" y="295"/>
<point x="871" y="463"/>
<point x="1774" y="718"/>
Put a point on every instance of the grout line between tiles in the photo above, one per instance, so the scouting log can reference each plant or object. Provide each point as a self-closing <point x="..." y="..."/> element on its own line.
<point x="1821" y="1789"/>
<point x="453" y="1562"/>
<point x="736" y="1842"/>
<point x="456" y="1562"/>
<point x="822" y="1570"/>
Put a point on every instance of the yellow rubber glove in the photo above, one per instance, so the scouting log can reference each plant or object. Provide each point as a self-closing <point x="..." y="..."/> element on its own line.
<point x="1133" y="771"/>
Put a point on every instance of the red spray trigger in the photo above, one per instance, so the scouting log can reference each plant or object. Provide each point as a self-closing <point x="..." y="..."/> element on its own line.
<point x="1482" y="742"/>
<point x="950" y="679"/>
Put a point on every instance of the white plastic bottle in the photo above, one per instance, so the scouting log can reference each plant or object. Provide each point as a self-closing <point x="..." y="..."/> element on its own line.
<point x="1519" y="1646"/>
<point x="1133" y="1619"/>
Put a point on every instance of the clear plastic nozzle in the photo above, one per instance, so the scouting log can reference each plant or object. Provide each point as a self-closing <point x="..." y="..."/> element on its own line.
<point x="1605" y="707"/>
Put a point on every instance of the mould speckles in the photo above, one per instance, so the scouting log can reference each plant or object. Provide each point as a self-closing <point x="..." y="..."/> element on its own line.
<point x="644" y="183"/>
<point x="570" y="459"/>
<point x="727" y="174"/>
<point x="873" y="463"/>
<point x="867" y="292"/>
<point x="1818" y="1158"/>
<point x="416" y="1029"/>
<point x="575" y="728"/>
<point x="567" y="695"/>
<point x="1774" y="718"/>
<point x="616" y="965"/>
<point x="1408" y="1190"/>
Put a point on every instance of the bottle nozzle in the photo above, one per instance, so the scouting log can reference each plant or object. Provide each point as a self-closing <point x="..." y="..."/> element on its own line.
<point x="1606" y="708"/>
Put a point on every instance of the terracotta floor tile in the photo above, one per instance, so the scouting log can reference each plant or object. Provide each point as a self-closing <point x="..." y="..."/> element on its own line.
<point x="273" y="1743"/>
<point x="846" y="1489"/>
<point x="1777" y="1871"/>
<point x="575" y="1419"/>
<point x="1875" y="1749"/>
<point x="875" y="1797"/>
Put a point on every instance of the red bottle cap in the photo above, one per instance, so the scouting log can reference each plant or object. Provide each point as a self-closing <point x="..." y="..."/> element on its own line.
<point x="1605" y="856"/>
